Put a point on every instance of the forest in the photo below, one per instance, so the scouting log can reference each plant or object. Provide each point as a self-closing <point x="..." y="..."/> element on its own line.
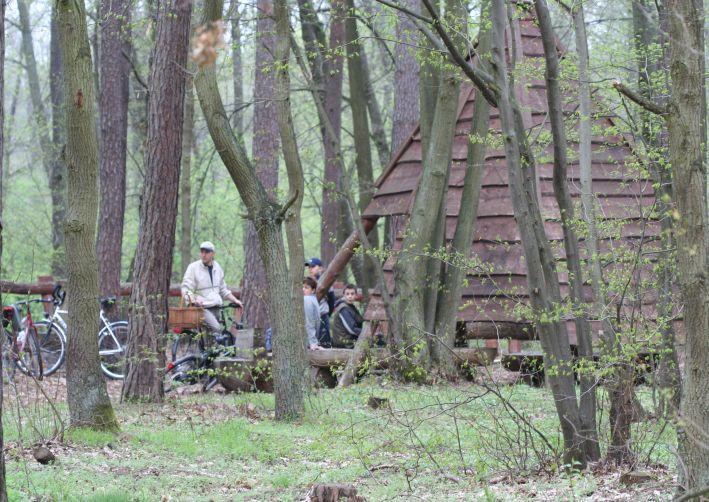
<point x="354" y="250"/>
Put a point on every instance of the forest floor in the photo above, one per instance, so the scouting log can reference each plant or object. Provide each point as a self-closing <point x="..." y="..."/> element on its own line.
<point x="423" y="443"/>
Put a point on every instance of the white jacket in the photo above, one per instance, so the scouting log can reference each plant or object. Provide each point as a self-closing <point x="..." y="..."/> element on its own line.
<point x="197" y="285"/>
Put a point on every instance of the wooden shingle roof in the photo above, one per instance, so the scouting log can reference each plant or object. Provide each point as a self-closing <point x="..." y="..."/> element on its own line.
<point x="623" y="193"/>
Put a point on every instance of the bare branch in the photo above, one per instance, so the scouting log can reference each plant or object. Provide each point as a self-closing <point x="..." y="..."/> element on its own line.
<point x="483" y="81"/>
<point x="138" y="78"/>
<point x="640" y="100"/>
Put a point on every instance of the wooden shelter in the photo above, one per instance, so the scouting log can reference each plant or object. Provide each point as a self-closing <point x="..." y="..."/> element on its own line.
<point x="623" y="193"/>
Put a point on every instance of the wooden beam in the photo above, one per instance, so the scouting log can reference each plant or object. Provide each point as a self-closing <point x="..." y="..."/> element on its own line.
<point x="46" y="288"/>
<point x="498" y="330"/>
<point x="343" y="256"/>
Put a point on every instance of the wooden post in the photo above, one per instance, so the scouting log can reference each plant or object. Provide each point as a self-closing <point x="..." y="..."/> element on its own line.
<point x="44" y="280"/>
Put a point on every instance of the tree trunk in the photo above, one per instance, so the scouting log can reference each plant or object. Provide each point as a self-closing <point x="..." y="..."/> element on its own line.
<point x="406" y="78"/>
<point x="288" y="346"/>
<point x="57" y="180"/>
<point x="158" y="212"/>
<point x="264" y="151"/>
<point x="410" y="268"/>
<point x="113" y="103"/>
<point x="87" y="398"/>
<point x="587" y="405"/>
<point x="542" y="279"/>
<point x="186" y="178"/>
<point x="378" y="133"/>
<point x="296" y="183"/>
<point x="360" y="127"/>
<point x="3" y="485"/>
<point x="331" y="205"/>
<point x="406" y="96"/>
<point x="456" y="270"/>
<point x="237" y="66"/>
<point x="53" y="166"/>
<point x="653" y="74"/>
<point x="686" y="123"/>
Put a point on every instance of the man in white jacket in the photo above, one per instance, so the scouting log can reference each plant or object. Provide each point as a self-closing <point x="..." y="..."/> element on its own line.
<point x="203" y="285"/>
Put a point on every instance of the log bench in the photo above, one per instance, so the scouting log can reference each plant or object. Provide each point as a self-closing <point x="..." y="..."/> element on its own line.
<point x="247" y="374"/>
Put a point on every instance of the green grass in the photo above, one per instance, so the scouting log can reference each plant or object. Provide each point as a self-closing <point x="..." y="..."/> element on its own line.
<point x="437" y="443"/>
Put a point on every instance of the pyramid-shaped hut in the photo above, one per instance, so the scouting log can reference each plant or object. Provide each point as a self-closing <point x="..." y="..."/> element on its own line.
<point x="492" y="292"/>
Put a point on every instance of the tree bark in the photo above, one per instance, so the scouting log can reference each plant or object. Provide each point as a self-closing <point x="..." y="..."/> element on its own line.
<point x="53" y="167"/>
<point x="158" y="212"/>
<point x="87" y="398"/>
<point x="653" y="74"/>
<point x="57" y="181"/>
<point x="288" y="347"/>
<point x="360" y="126"/>
<point x="115" y="18"/>
<point x="186" y="178"/>
<point x="294" y="168"/>
<point x="456" y="271"/>
<point x="543" y="284"/>
<point x="331" y="203"/>
<point x="378" y="133"/>
<point x="264" y="152"/>
<point x="237" y="66"/>
<point x="587" y="404"/>
<point x="406" y="78"/>
<point x="686" y="124"/>
<point x="406" y="96"/>
<point x="411" y="267"/>
<point x="3" y="485"/>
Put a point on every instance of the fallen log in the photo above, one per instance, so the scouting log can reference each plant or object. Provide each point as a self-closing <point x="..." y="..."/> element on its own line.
<point x="242" y="374"/>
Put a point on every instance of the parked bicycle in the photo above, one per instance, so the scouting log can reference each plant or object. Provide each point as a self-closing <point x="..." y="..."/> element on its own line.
<point x="112" y="337"/>
<point x="199" y="367"/>
<point x="22" y="347"/>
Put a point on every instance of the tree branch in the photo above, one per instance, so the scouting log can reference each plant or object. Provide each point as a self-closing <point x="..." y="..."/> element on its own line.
<point x="483" y="81"/>
<point x="639" y="100"/>
<point x="138" y="78"/>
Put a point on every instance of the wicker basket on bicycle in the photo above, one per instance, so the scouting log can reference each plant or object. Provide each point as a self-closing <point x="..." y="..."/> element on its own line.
<point x="181" y="317"/>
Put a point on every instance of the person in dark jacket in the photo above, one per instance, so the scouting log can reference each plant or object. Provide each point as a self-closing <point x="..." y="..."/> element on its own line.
<point x="346" y="320"/>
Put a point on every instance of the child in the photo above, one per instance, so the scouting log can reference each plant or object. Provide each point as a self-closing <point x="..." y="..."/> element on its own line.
<point x="312" y="312"/>
<point x="346" y="320"/>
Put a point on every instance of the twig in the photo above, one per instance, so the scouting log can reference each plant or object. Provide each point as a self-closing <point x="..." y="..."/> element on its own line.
<point x="639" y="100"/>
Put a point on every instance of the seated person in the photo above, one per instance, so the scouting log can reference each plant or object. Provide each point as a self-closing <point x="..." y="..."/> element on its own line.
<point x="312" y="312"/>
<point x="346" y="320"/>
<point x="203" y="285"/>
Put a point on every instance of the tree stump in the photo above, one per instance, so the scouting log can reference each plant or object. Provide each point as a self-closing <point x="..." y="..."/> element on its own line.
<point x="333" y="492"/>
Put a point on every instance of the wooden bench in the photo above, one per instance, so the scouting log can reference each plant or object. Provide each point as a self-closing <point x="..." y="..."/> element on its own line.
<point x="248" y="373"/>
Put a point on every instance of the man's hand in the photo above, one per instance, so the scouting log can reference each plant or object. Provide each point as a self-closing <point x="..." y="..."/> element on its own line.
<point x="315" y="346"/>
<point x="233" y="300"/>
<point x="197" y="303"/>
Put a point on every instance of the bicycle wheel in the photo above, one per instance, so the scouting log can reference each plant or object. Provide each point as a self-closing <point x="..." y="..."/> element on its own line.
<point x="52" y="345"/>
<point x="184" y="371"/>
<point x="29" y="360"/>
<point x="112" y="342"/>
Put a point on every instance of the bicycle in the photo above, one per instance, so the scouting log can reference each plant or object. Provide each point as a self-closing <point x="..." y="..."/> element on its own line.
<point x="112" y="337"/>
<point x="21" y="334"/>
<point x="199" y="367"/>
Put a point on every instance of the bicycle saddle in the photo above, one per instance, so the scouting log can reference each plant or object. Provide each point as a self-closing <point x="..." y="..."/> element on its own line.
<point x="108" y="302"/>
